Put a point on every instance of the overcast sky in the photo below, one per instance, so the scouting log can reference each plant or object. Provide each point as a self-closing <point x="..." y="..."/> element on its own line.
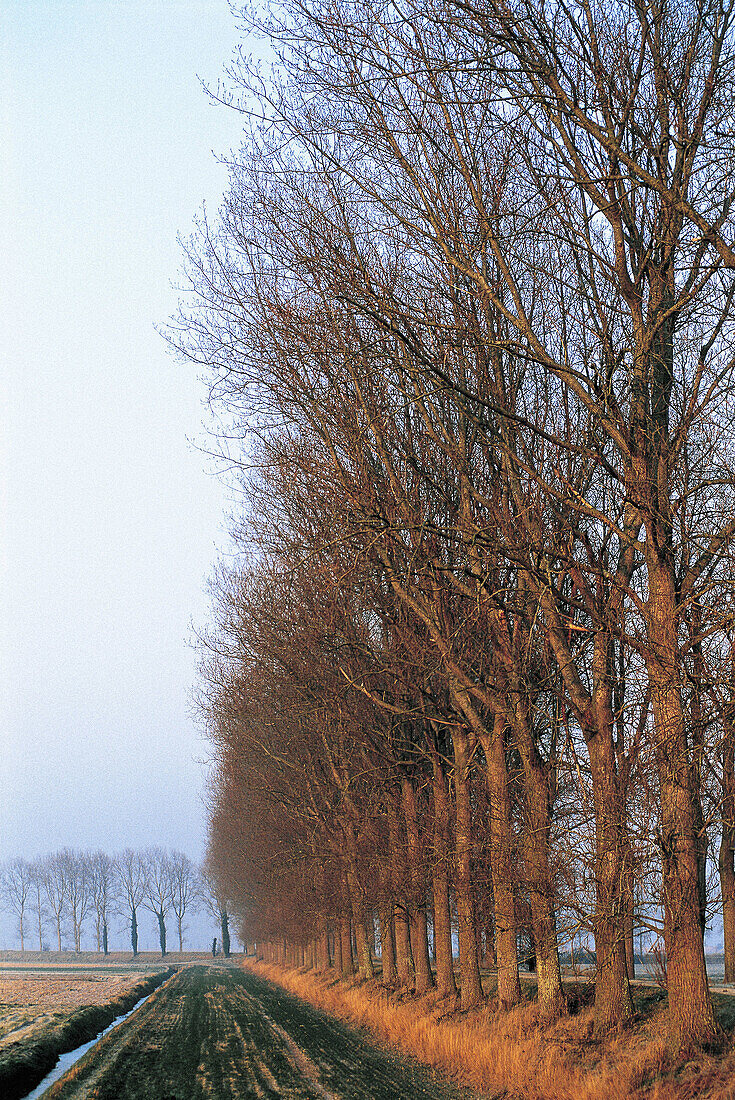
<point x="111" y="519"/>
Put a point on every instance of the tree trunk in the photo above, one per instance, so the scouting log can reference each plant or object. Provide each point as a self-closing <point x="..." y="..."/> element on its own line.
<point x="613" y="1002"/>
<point x="629" y="931"/>
<point x="322" y="945"/>
<point x="401" y="928"/>
<point x="180" y="922"/>
<point x="104" y="939"/>
<point x="225" y="930"/>
<point x="322" y="928"/>
<point x="387" y="945"/>
<point x="417" y="918"/>
<point x="540" y="884"/>
<point x="696" y="737"/>
<point x="364" y="955"/>
<point x="727" y="816"/>
<point x="445" y="979"/>
<point x="690" y="1006"/>
<point x="40" y="921"/>
<point x="612" y="861"/>
<point x="502" y="865"/>
<point x="337" y="957"/>
<point x="161" y="932"/>
<point x="469" y="970"/>
<point x="359" y="909"/>
<point x="134" y="931"/>
<point x="345" y="936"/>
<point x="536" y="860"/>
<point x="727" y="886"/>
<point x="727" y="845"/>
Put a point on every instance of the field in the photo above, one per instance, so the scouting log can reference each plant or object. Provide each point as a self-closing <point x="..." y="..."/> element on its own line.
<point x="52" y="1004"/>
<point x="226" y="1034"/>
<point x="217" y="1030"/>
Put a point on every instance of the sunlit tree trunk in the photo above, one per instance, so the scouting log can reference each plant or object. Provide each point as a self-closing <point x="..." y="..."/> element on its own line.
<point x="345" y="934"/>
<point x="630" y="929"/>
<point x="387" y="946"/>
<point x="323" y="945"/>
<point x="401" y="928"/>
<point x="337" y="959"/>
<point x="504" y="875"/>
<point x="613" y="1002"/>
<point x="445" y="979"/>
<point x="727" y="817"/>
<point x="469" y="968"/>
<point x="539" y="877"/>
<point x="417" y="917"/>
<point x="690" y="1006"/>
<point x="359" y="908"/>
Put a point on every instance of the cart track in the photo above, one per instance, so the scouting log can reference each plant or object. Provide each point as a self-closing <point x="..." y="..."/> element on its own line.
<point x="228" y="1035"/>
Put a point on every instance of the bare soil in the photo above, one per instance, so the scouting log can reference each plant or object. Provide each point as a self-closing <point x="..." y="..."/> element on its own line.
<point x="229" y="1035"/>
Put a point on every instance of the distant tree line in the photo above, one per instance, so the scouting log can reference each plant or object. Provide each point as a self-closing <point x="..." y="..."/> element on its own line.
<point x="467" y="313"/>
<point x="77" y="893"/>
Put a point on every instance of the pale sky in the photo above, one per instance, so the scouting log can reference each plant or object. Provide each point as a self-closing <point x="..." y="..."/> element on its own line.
<point x="111" y="520"/>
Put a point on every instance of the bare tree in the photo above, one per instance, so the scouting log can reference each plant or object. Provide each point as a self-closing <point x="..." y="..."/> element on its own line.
<point x="79" y="881"/>
<point x="37" y="891"/>
<point x="158" y="894"/>
<point x="184" y="890"/>
<point x="216" y="903"/>
<point x="16" y="884"/>
<point x="56" y="888"/>
<point x="102" y="873"/>
<point x="478" y="268"/>
<point x="130" y="888"/>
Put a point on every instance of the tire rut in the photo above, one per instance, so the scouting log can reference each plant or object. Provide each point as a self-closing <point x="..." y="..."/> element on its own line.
<point x="212" y="1033"/>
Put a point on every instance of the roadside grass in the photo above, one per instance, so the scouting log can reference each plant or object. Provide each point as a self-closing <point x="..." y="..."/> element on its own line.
<point x="347" y="1058"/>
<point x="522" y="1054"/>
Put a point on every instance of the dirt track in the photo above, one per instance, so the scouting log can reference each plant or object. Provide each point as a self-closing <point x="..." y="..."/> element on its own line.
<point x="222" y="1034"/>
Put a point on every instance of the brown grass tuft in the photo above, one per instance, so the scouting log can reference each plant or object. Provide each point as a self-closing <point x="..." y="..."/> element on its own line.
<point x="518" y="1053"/>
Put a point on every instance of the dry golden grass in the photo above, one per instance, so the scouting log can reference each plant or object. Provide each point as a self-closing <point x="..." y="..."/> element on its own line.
<point x="518" y="1053"/>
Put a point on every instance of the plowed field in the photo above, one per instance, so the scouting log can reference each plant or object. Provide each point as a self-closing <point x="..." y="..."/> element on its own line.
<point x="218" y="1033"/>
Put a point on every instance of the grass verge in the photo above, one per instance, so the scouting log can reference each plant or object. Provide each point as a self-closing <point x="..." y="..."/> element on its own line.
<point x="521" y="1054"/>
<point x="26" y="1062"/>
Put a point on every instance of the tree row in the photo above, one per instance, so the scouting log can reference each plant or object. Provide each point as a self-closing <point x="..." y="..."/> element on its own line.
<point x="466" y="314"/>
<point x="73" y="893"/>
